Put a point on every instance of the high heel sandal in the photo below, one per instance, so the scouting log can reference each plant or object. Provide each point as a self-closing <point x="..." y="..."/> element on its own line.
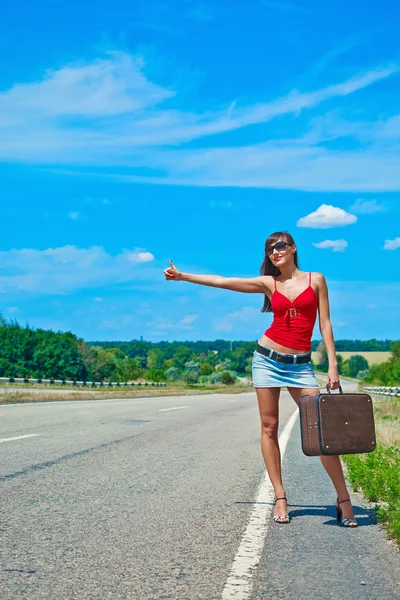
<point x="344" y="522"/>
<point x="278" y="518"/>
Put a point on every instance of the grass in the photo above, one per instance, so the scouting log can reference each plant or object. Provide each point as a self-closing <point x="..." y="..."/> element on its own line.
<point x="43" y="393"/>
<point x="387" y="420"/>
<point x="373" y="358"/>
<point x="377" y="474"/>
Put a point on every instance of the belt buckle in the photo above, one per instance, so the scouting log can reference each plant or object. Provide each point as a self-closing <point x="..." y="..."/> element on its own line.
<point x="282" y="357"/>
<point x="288" y="359"/>
<point x="274" y="355"/>
<point x="293" y="312"/>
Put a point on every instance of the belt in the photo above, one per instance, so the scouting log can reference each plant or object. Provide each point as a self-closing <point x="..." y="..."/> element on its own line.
<point x="284" y="358"/>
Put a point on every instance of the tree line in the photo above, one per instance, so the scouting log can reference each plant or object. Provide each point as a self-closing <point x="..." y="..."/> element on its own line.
<point x="39" y="353"/>
<point x="372" y="345"/>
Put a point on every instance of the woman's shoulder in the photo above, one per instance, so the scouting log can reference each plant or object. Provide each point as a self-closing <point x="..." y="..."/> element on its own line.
<point x="317" y="277"/>
<point x="318" y="282"/>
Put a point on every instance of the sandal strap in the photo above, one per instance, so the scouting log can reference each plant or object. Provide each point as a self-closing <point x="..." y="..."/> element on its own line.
<point x="283" y="498"/>
<point x="346" y="522"/>
<point x="348" y="500"/>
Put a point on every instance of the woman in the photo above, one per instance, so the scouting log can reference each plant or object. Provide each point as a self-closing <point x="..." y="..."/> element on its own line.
<point x="283" y="354"/>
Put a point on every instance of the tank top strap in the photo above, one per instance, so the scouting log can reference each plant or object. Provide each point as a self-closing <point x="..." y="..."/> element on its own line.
<point x="275" y="283"/>
<point x="309" y="279"/>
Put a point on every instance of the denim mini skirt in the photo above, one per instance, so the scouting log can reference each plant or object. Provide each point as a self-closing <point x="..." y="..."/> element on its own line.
<point x="267" y="372"/>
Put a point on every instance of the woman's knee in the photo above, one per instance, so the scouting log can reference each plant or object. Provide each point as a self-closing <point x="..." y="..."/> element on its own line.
<point x="269" y="427"/>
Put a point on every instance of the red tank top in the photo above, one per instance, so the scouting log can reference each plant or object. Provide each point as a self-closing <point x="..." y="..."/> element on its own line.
<point x="293" y="322"/>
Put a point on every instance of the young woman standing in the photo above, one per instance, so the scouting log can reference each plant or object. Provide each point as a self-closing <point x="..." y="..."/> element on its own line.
<point x="283" y="354"/>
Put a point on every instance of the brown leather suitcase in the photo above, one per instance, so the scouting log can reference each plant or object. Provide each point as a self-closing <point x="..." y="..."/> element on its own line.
<point x="334" y="424"/>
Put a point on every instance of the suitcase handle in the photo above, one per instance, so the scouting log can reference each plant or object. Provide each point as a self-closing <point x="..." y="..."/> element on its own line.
<point x="329" y="391"/>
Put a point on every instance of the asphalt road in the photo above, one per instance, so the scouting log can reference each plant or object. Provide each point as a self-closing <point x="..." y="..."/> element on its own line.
<point x="167" y="498"/>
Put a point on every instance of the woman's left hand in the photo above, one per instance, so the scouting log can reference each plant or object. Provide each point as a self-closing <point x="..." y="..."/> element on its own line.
<point x="333" y="378"/>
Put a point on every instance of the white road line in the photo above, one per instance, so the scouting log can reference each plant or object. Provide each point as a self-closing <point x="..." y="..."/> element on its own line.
<point x="20" y="437"/>
<point x="239" y="583"/>
<point x="174" y="408"/>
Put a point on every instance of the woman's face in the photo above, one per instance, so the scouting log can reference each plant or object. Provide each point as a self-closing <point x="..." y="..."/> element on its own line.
<point x="280" y="256"/>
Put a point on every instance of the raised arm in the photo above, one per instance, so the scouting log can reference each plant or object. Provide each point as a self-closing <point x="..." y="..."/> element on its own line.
<point x="325" y="328"/>
<point x="253" y="285"/>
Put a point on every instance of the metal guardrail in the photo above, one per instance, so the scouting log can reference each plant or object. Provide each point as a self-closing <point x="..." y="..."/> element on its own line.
<point x="81" y="383"/>
<point x="384" y="391"/>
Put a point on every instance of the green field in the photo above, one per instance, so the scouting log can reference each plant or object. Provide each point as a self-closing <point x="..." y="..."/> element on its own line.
<point x="377" y="474"/>
<point x="373" y="358"/>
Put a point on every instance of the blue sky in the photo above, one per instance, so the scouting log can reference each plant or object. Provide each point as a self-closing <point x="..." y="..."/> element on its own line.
<point x="191" y="130"/>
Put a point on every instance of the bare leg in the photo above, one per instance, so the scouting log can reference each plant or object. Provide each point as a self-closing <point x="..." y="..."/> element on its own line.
<point x="331" y="464"/>
<point x="268" y="404"/>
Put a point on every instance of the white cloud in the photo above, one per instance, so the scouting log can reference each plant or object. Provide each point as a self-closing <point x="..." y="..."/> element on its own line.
<point x="108" y="112"/>
<point x="336" y="245"/>
<point x="144" y="309"/>
<point x="390" y="129"/>
<point x="280" y="164"/>
<point x="188" y="319"/>
<point x="332" y="126"/>
<point x="340" y="47"/>
<point x="325" y="217"/>
<point x="74" y="216"/>
<point x="13" y="309"/>
<point x="365" y="207"/>
<point x="115" y="324"/>
<point x="139" y="256"/>
<point x="110" y="86"/>
<point x="244" y="315"/>
<point x="392" y="244"/>
<point x="162" y="323"/>
<point x="68" y="268"/>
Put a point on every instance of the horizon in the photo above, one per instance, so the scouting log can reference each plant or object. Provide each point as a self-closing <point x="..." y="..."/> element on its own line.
<point x="208" y="341"/>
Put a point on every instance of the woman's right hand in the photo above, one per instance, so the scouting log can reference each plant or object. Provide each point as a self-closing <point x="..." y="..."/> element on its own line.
<point x="172" y="272"/>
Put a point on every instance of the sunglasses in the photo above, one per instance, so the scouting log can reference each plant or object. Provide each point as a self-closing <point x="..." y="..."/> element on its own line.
<point x="280" y="246"/>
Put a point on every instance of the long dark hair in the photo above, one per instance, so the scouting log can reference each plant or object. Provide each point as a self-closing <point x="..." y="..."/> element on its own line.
<point x="267" y="268"/>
